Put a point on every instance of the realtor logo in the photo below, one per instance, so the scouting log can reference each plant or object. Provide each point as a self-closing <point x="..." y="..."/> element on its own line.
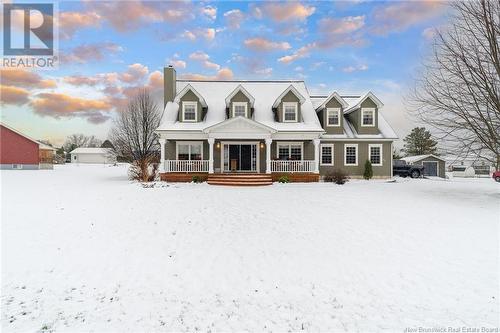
<point x="28" y="35"/>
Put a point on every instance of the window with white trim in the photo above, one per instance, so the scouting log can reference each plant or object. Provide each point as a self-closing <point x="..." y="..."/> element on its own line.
<point x="326" y="157"/>
<point x="290" y="151"/>
<point x="189" y="151"/>
<point x="333" y="117"/>
<point x="368" y="117"/>
<point x="239" y="109"/>
<point x="189" y="111"/>
<point x="289" y="112"/>
<point x="351" y="154"/>
<point x="375" y="154"/>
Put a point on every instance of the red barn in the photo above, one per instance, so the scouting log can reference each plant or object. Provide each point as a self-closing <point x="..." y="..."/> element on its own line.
<point x="18" y="151"/>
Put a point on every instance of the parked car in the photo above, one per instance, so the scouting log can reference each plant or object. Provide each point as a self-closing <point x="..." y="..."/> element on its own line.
<point x="496" y="175"/>
<point x="401" y="168"/>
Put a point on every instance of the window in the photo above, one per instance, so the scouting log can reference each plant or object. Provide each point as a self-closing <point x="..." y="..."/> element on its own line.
<point x="332" y="117"/>
<point x="189" y="111"/>
<point x="289" y="112"/>
<point x="189" y="151"/>
<point x="368" y="116"/>
<point x="17" y="166"/>
<point x="239" y="109"/>
<point x="326" y="157"/>
<point x="351" y="154"/>
<point x="290" y="151"/>
<point x="375" y="154"/>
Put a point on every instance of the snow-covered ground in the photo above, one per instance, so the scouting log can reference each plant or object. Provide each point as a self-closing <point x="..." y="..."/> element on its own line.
<point x="85" y="249"/>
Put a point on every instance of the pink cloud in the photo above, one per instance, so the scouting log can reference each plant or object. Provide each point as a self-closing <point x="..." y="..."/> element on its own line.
<point x="70" y="22"/>
<point x="263" y="44"/>
<point x="210" y="12"/>
<point x="134" y="73"/>
<point x="222" y="74"/>
<point x="199" y="55"/>
<point x="13" y="95"/>
<point x="342" y="25"/>
<point x="90" y="52"/>
<point x="399" y="16"/>
<point x="25" y="78"/>
<point x="303" y="52"/>
<point x="290" y="11"/>
<point x="208" y="34"/>
<point x="234" y="18"/>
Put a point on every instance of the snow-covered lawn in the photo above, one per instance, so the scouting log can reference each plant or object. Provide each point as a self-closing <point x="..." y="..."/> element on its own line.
<point x="85" y="249"/>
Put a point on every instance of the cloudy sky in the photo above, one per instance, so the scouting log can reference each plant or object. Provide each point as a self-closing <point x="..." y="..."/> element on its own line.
<point x="109" y="50"/>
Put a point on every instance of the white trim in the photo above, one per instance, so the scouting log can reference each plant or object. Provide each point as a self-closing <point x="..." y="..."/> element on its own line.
<point x="437" y="167"/>
<point x="287" y="90"/>
<point x="231" y="120"/>
<point x="337" y="110"/>
<point x="189" y="103"/>
<point x="40" y="144"/>
<point x="355" y="145"/>
<point x="381" y="153"/>
<point x="368" y="110"/>
<point x="295" y="105"/>
<point x="187" y="143"/>
<point x="321" y="153"/>
<point x="337" y="97"/>
<point x="257" y="143"/>
<point x="185" y="90"/>
<point x="358" y="104"/>
<point x="245" y="104"/>
<point x="289" y="143"/>
<point x="235" y="91"/>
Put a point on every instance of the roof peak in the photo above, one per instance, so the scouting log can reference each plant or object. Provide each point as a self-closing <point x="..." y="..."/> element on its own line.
<point x="257" y="81"/>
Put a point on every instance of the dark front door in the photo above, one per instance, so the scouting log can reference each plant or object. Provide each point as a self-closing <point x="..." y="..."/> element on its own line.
<point x="245" y="157"/>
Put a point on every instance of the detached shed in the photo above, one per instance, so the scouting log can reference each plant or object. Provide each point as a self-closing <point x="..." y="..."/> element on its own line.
<point x="92" y="156"/>
<point x="434" y="166"/>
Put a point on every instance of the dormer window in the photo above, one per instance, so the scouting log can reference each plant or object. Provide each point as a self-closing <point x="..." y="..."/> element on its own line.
<point x="240" y="109"/>
<point x="333" y="117"/>
<point x="189" y="111"/>
<point x="368" y="117"/>
<point x="289" y="112"/>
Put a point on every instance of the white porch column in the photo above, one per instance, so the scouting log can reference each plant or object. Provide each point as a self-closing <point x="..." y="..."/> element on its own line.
<point x="268" y="155"/>
<point x="211" y="155"/>
<point x="162" y="154"/>
<point x="316" y="155"/>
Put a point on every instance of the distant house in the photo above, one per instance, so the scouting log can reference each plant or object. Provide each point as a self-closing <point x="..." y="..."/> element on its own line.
<point x="434" y="166"/>
<point x="92" y="156"/>
<point x="21" y="152"/>
<point x="469" y="167"/>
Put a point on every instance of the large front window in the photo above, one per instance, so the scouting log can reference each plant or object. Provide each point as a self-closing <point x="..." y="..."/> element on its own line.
<point x="375" y="152"/>
<point x="351" y="154"/>
<point x="289" y="112"/>
<point x="189" y="151"/>
<point x="290" y="151"/>
<point x="239" y="109"/>
<point x="368" y="116"/>
<point x="189" y="110"/>
<point x="333" y="117"/>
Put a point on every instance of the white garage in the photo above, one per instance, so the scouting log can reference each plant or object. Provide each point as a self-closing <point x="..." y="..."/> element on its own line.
<point x="92" y="156"/>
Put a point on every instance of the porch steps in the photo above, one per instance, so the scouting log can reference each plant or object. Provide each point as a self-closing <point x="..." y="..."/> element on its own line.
<point x="254" y="179"/>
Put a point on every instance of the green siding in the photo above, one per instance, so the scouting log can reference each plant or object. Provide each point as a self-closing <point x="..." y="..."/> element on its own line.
<point x="355" y="118"/>
<point x="289" y="97"/>
<point x="240" y="97"/>
<point x="190" y="97"/>
<point x="357" y="171"/>
<point x="333" y="103"/>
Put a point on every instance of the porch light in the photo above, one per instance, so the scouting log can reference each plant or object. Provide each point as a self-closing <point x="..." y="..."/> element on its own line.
<point x="262" y="145"/>
<point x="218" y="145"/>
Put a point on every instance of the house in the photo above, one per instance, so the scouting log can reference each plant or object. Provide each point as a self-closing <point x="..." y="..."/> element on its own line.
<point x="434" y="166"/>
<point x="469" y="167"/>
<point x="92" y="156"/>
<point x="21" y="152"/>
<point x="269" y="128"/>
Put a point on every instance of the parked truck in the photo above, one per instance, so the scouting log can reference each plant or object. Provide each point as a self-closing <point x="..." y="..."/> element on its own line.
<point x="401" y="168"/>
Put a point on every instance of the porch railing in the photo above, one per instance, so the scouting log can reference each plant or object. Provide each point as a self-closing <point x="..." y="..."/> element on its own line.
<point x="292" y="166"/>
<point x="186" y="166"/>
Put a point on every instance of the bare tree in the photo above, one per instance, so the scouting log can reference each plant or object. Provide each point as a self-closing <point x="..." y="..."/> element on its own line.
<point x="458" y="94"/>
<point x="75" y="141"/>
<point x="134" y="138"/>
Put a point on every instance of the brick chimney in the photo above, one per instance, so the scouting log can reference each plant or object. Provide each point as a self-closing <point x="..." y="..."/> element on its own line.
<point x="169" y="83"/>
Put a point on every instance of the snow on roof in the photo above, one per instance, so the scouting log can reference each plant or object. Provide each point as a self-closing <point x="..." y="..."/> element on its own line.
<point x="356" y="103"/>
<point x="265" y="94"/>
<point x="416" y="158"/>
<point x="328" y="98"/>
<point x="82" y="150"/>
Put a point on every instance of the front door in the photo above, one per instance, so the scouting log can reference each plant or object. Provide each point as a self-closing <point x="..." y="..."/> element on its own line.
<point x="240" y="157"/>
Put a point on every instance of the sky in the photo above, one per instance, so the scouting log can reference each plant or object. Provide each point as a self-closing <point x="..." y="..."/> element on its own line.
<point x="109" y="50"/>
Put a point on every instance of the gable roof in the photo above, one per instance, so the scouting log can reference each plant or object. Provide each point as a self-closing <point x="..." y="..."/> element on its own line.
<point x="417" y="158"/>
<point x="40" y="144"/>
<point x="83" y="150"/>
<point x="357" y="103"/>
<point x="231" y="122"/>
<point x="185" y="90"/>
<point x="265" y="94"/>
<point x="283" y="94"/>
<point x="332" y="95"/>
<point x="244" y="91"/>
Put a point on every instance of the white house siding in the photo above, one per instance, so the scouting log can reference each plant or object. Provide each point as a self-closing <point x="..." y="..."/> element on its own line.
<point x="91" y="158"/>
